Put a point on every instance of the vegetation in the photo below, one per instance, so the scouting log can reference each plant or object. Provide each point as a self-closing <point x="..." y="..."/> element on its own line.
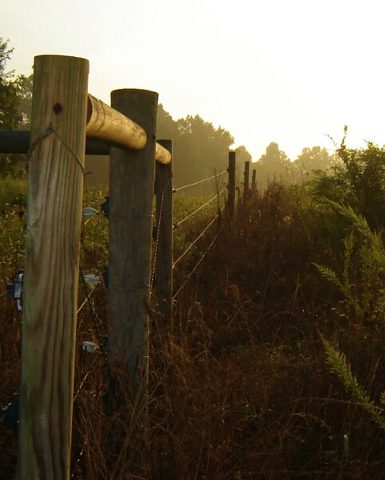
<point x="274" y="165"/>
<point x="273" y="366"/>
<point x="15" y="105"/>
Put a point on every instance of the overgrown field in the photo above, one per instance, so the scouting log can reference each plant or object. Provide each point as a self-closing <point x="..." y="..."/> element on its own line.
<point x="273" y="366"/>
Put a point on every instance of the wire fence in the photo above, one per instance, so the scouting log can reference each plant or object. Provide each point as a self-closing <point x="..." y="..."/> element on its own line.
<point x="202" y="234"/>
<point x="183" y="187"/>
<point x="190" y="215"/>
<point x="90" y="286"/>
<point x="194" y="242"/>
<point x="189" y="276"/>
<point x="54" y="269"/>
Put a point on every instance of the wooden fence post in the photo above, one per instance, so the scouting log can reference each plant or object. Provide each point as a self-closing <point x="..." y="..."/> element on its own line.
<point x="56" y="175"/>
<point x="164" y="227"/>
<point x="254" y="182"/>
<point x="246" y="182"/>
<point x="231" y="184"/>
<point x="130" y="227"/>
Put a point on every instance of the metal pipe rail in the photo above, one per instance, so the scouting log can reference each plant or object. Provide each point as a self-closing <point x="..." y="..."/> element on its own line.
<point x="105" y="127"/>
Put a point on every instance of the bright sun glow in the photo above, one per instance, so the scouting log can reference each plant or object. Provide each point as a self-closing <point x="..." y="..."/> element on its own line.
<point x="266" y="70"/>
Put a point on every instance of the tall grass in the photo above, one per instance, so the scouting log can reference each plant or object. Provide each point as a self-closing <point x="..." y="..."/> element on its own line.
<point x="250" y="382"/>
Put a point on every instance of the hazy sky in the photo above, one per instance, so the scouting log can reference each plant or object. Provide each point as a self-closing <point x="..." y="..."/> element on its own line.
<point x="290" y="71"/>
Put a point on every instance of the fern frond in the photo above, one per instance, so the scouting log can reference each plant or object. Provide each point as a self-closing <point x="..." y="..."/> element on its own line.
<point x="338" y="364"/>
<point x="350" y="214"/>
<point x="329" y="275"/>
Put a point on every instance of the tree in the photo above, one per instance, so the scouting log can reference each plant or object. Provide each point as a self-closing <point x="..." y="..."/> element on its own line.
<point x="242" y="155"/>
<point x="25" y="100"/>
<point x="274" y="159"/>
<point x="310" y="161"/>
<point x="15" y="103"/>
<point x="199" y="149"/>
<point x="272" y="165"/>
<point x="167" y="127"/>
<point x="10" y="117"/>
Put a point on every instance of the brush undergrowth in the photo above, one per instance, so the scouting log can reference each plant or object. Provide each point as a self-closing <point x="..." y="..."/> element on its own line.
<point x="272" y="367"/>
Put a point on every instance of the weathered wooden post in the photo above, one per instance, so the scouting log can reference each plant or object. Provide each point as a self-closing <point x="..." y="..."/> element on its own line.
<point x="55" y="189"/>
<point x="164" y="227"/>
<point x="130" y="226"/>
<point x="231" y="184"/>
<point x="254" y="182"/>
<point x="246" y="177"/>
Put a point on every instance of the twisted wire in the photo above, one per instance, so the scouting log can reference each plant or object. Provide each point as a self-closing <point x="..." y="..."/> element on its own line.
<point x="204" y="231"/>
<point x="217" y="195"/>
<point x="195" y="268"/>
<point x="155" y="254"/>
<point x="46" y="133"/>
<point x="199" y="181"/>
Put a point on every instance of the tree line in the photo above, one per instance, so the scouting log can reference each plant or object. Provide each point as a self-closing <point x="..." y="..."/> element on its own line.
<point x="199" y="148"/>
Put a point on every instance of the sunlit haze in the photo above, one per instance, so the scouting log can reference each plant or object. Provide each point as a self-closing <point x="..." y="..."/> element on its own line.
<point x="294" y="72"/>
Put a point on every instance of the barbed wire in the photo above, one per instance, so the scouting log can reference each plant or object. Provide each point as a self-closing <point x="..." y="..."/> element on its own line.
<point x="81" y="384"/>
<point x="95" y="318"/>
<point x="88" y="297"/>
<point x="90" y="213"/>
<point x="77" y="462"/>
<point x="199" y="181"/>
<point x="204" y="231"/>
<point x="177" y="224"/>
<point x="195" y="268"/>
<point x="157" y="235"/>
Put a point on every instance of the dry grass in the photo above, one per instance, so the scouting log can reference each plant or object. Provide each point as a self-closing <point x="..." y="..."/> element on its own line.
<point x="238" y="388"/>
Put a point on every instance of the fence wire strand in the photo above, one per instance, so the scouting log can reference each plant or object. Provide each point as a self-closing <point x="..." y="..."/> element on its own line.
<point x="89" y="294"/>
<point x="95" y="318"/>
<point x="217" y="195"/>
<point x="202" y="234"/>
<point x="199" y="181"/>
<point x="157" y="233"/>
<point x="46" y="133"/>
<point x="195" y="268"/>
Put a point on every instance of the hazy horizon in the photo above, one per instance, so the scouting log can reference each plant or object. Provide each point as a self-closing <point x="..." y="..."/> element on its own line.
<point x="265" y="71"/>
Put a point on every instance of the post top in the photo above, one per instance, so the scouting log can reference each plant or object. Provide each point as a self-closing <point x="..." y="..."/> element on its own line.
<point x="57" y="57"/>
<point x="133" y="90"/>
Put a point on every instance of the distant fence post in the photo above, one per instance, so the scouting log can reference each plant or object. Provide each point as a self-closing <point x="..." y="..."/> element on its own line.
<point x="231" y="184"/>
<point x="254" y="182"/>
<point x="246" y="182"/>
<point x="130" y="237"/>
<point x="164" y="226"/>
<point x="56" y="175"/>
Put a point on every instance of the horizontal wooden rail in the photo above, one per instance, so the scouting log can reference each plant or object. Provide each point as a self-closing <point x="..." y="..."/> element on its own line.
<point x="108" y="124"/>
<point x="105" y="127"/>
<point x="18" y="142"/>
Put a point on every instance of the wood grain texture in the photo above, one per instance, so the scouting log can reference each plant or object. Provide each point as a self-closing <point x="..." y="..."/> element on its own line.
<point x="162" y="155"/>
<point x="130" y="237"/>
<point x="51" y="270"/>
<point x="164" y="230"/>
<point x="19" y="142"/>
<point x="108" y="124"/>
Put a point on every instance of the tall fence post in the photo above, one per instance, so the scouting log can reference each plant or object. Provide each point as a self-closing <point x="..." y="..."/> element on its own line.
<point x="246" y="182"/>
<point x="130" y="236"/>
<point x="231" y="184"/>
<point x="164" y="225"/>
<point x="55" y="189"/>
<point x="254" y="182"/>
